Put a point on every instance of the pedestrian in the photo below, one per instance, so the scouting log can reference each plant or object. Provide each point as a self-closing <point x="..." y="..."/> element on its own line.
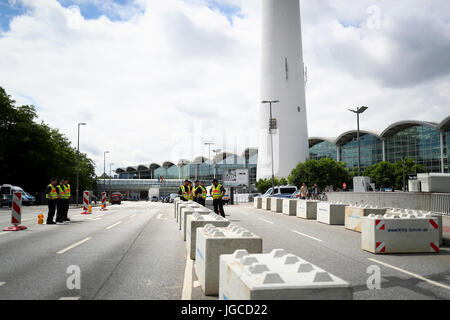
<point x="303" y="191"/>
<point x="66" y="199"/>
<point x="201" y="193"/>
<point x="183" y="191"/>
<point x="52" y="195"/>
<point x="194" y="190"/>
<point x="217" y="192"/>
<point x="59" y="205"/>
<point x="190" y="191"/>
<point x="315" y="192"/>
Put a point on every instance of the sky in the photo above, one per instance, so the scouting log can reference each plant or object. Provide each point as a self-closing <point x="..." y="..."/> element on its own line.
<point x="155" y="79"/>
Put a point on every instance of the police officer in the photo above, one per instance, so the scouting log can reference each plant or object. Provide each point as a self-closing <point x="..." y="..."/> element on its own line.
<point x="183" y="191"/>
<point x="60" y="202"/>
<point x="194" y="190"/>
<point x="201" y="193"/>
<point x="65" y="199"/>
<point x="52" y="195"/>
<point x="217" y="192"/>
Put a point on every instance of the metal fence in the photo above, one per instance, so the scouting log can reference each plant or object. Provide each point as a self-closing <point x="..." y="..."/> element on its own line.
<point x="435" y="202"/>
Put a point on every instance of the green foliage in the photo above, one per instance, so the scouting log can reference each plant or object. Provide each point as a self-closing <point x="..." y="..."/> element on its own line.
<point x="265" y="184"/>
<point x="32" y="153"/>
<point x="283" y="182"/>
<point x="323" y="172"/>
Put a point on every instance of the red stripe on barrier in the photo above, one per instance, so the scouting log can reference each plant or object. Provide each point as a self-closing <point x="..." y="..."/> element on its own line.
<point x="14" y="220"/>
<point x="16" y="208"/>
<point x="434" y="224"/>
<point x="435" y="247"/>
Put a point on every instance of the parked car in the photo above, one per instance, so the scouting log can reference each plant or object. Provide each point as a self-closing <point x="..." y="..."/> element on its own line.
<point x="172" y="197"/>
<point x="116" y="197"/>
<point x="27" y="199"/>
<point x="226" y="199"/>
<point x="155" y="199"/>
<point x="5" y="200"/>
<point x="280" y="192"/>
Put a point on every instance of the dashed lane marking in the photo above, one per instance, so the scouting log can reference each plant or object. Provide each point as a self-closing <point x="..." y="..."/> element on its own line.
<point x="69" y="298"/>
<point x="74" y="245"/>
<point x="1" y="233"/>
<point x="132" y="216"/>
<point x="2" y="283"/>
<point x="305" y="235"/>
<point x="411" y="274"/>
<point x="267" y="221"/>
<point x="114" y="225"/>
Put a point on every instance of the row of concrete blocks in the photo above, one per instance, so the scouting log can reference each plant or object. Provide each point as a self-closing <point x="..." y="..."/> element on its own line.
<point x="229" y="262"/>
<point x="420" y="235"/>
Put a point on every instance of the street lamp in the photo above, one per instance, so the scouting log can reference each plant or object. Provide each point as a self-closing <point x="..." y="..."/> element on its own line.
<point x="358" y="111"/>
<point x="110" y="176"/>
<point x="272" y="126"/>
<point x="104" y="170"/>
<point x="78" y="154"/>
<point x="209" y="144"/>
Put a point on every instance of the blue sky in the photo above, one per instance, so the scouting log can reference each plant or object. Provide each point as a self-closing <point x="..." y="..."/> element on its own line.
<point x="94" y="9"/>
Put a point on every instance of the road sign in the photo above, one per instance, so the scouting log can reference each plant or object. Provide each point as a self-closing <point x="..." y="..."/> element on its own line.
<point x="235" y="177"/>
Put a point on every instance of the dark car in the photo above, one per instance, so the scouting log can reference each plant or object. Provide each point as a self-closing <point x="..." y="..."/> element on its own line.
<point x="5" y="200"/>
<point x="116" y="198"/>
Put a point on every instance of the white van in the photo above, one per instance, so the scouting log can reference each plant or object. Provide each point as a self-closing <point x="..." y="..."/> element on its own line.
<point x="280" y="192"/>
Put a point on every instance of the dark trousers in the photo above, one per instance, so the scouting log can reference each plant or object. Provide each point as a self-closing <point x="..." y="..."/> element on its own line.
<point x="64" y="208"/>
<point x="218" y="205"/>
<point x="51" y="210"/>
<point x="201" y="201"/>
<point x="59" y="210"/>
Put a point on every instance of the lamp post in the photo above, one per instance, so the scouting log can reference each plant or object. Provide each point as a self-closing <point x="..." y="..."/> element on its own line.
<point x="78" y="155"/>
<point x="209" y="144"/>
<point x="104" y="170"/>
<point x="110" y="176"/>
<point x="358" y="111"/>
<point x="272" y="126"/>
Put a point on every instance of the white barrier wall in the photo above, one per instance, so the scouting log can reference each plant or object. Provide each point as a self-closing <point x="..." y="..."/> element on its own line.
<point x="266" y="203"/>
<point x="209" y="203"/>
<point x="257" y="202"/>
<point x="213" y="242"/>
<point x="190" y="204"/>
<point x="186" y="212"/>
<point x="353" y="215"/>
<point x="195" y="221"/>
<point x="277" y="276"/>
<point x="331" y="213"/>
<point x="397" y="232"/>
<point x="276" y="205"/>
<point x="307" y="209"/>
<point x="290" y="207"/>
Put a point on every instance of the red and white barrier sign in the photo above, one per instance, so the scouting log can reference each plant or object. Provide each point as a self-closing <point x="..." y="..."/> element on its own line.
<point x="85" y="202"/>
<point x="16" y="214"/>
<point x="104" y="201"/>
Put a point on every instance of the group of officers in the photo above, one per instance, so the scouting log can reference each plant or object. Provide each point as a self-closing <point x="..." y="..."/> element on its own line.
<point x="58" y="196"/>
<point x="198" y="193"/>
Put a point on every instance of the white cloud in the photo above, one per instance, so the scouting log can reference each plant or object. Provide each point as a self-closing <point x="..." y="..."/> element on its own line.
<point x="175" y="72"/>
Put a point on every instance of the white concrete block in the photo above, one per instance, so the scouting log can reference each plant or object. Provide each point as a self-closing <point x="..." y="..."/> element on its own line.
<point x="185" y="204"/>
<point x="257" y="202"/>
<point x="195" y="221"/>
<point x="213" y="242"/>
<point x="290" y="207"/>
<point x="277" y="276"/>
<point x="209" y="203"/>
<point x="400" y="232"/>
<point x="266" y="203"/>
<point x="307" y="209"/>
<point x="188" y="211"/>
<point x="353" y="215"/>
<point x="331" y="213"/>
<point x="276" y="205"/>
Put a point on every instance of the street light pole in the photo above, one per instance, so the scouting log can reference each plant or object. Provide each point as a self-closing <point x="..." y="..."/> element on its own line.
<point x="78" y="156"/>
<point x="358" y="111"/>
<point x="104" y="170"/>
<point x="272" y="126"/>
<point x="110" y="176"/>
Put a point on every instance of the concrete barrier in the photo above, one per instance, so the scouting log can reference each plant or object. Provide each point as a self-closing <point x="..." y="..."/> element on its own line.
<point x="186" y="212"/>
<point x="277" y="276"/>
<point x="266" y="203"/>
<point x="213" y="242"/>
<point x="290" y="207"/>
<point x="195" y="221"/>
<point x="353" y="215"/>
<point x="307" y="209"/>
<point x="257" y="202"/>
<point x="400" y="232"/>
<point x="276" y="205"/>
<point x="331" y="213"/>
<point x="183" y="205"/>
<point x="209" y="203"/>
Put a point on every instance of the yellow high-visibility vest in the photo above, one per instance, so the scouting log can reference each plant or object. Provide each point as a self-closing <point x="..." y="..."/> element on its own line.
<point x="66" y="191"/>
<point x="216" y="192"/>
<point x="53" y="194"/>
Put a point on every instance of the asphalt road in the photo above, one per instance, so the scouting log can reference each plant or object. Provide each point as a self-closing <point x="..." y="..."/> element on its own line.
<point x="135" y="251"/>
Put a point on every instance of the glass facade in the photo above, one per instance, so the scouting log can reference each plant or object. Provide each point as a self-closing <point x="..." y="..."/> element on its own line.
<point x="418" y="142"/>
<point x="447" y="151"/>
<point x="324" y="149"/>
<point x="371" y="151"/>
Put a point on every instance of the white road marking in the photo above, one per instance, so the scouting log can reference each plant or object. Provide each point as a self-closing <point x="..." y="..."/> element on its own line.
<point x="196" y="284"/>
<point x="29" y="219"/>
<point x="69" y="298"/>
<point x="411" y="274"/>
<point x="161" y="217"/>
<point x="266" y="220"/>
<point x="96" y="219"/>
<point x="74" y="245"/>
<point x="134" y="215"/>
<point x="114" y="225"/>
<point x="3" y="233"/>
<point x="2" y="283"/>
<point x="187" y="284"/>
<point x="305" y="235"/>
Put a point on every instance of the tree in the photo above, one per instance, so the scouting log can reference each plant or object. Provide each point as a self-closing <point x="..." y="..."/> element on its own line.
<point x="382" y="174"/>
<point x="410" y="168"/>
<point x="323" y="172"/>
<point x="32" y="153"/>
<point x="265" y="184"/>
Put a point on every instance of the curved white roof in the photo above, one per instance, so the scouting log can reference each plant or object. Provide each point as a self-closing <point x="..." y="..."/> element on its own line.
<point x="401" y="125"/>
